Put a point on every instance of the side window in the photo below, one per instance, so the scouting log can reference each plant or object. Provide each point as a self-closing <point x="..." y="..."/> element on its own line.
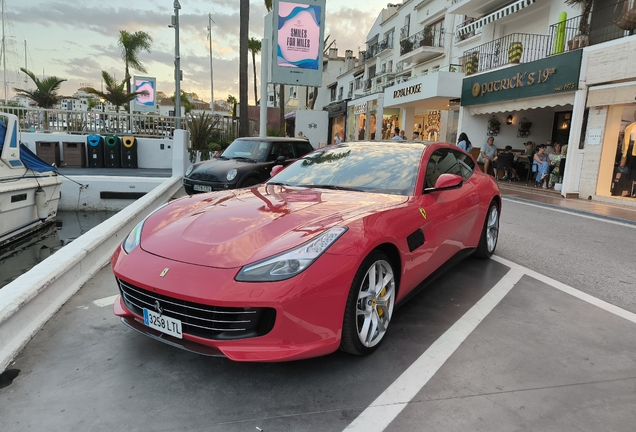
<point x="303" y="148"/>
<point x="442" y="161"/>
<point x="466" y="165"/>
<point x="273" y="152"/>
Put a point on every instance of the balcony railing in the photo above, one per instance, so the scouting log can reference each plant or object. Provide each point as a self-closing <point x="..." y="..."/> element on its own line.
<point x="404" y="78"/>
<point x="147" y="125"/>
<point x="424" y="38"/>
<point x="404" y="32"/>
<point x="498" y="52"/>
<point x="470" y="33"/>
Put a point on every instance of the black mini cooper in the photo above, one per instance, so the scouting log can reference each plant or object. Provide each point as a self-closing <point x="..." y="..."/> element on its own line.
<point x="246" y="162"/>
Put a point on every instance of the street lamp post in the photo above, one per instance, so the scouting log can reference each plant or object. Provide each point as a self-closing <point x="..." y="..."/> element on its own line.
<point x="177" y="66"/>
<point x="210" y="21"/>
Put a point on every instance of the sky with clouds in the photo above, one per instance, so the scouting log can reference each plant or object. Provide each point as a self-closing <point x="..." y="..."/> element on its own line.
<point x="77" y="39"/>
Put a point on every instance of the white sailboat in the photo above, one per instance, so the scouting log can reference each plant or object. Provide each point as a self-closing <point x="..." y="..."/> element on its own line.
<point x="29" y="187"/>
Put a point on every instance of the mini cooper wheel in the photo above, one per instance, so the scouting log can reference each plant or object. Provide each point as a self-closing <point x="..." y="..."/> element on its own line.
<point x="369" y="305"/>
<point x="490" y="233"/>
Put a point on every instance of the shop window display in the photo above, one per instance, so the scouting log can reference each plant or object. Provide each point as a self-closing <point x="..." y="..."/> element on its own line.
<point x="624" y="181"/>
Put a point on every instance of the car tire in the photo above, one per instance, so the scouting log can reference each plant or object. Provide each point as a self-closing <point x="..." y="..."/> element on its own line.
<point x="249" y="181"/>
<point x="490" y="233"/>
<point x="369" y="305"/>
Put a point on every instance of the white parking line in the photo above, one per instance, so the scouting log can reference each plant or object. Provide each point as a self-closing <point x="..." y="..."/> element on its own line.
<point x="571" y="212"/>
<point x="394" y="399"/>
<point x="106" y="301"/>
<point x="387" y="406"/>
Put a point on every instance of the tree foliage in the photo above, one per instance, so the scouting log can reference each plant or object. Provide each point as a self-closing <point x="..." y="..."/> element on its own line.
<point x="115" y="91"/>
<point x="254" y="46"/>
<point x="131" y="44"/>
<point x="45" y="93"/>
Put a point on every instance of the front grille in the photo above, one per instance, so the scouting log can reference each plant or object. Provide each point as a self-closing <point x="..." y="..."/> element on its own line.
<point x="204" y="177"/>
<point x="209" y="322"/>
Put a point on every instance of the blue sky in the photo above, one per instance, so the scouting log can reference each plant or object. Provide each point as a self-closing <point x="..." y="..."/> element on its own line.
<point x="76" y="39"/>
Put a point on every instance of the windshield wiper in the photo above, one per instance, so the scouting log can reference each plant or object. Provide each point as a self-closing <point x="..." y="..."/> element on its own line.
<point x="243" y="158"/>
<point x="334" y="187"/>
<point x="278" y="184"/>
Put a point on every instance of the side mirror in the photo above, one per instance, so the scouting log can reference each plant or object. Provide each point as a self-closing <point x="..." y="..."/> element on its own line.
<point x="276" y="169"/>
<point x="281" y="159"/>
<point x="447" y="182"/>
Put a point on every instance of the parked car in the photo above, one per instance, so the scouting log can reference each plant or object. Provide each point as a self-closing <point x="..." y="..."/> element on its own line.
<point x="311" y="261"/>
<point x="246" y="162"/>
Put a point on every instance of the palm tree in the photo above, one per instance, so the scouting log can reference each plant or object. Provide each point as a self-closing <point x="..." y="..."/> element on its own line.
<point x="45" y="93"/>
<point x="185" y="101"/>
<point x="201" y="130"/>
<point x="254" y="46"/>
<point x="131" y="44"/>
<point x="244" y="18"/>
<point x="232" y="101"/>
<point x="586" y="7"/>
<point x="281" y="87"/>
<point x="115" y="92"/>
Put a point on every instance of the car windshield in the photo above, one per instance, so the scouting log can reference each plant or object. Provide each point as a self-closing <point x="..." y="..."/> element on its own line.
<point x="247" y="149"/>
<point x="379" y="168"/>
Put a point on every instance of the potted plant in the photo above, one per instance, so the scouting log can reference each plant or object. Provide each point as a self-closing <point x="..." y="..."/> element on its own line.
<point x="406" y="45"/>
<point x="524" y="128"/>
<point x="493" y="126"/>
<point x="582" y="38"/>
<point x="427" y="39"/>
<point x="472" y="64"/>
<point x="514" y="52"/>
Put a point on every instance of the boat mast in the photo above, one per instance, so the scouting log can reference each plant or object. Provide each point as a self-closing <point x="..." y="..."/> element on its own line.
<point x="4" y="57"/>
<point x="210" y="21"/>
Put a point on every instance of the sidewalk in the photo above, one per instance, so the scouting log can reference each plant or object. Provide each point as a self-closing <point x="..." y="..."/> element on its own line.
<point x="521" y="192"/>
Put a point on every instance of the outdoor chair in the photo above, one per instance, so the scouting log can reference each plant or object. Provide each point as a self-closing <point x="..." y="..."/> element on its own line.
<point x="505" y="162"/>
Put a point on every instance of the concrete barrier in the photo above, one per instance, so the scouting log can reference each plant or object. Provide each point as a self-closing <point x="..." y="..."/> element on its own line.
<point x="28" y="302"/>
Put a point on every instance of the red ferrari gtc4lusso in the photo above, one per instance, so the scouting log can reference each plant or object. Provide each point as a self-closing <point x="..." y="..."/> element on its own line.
<point x="313" y="260"/>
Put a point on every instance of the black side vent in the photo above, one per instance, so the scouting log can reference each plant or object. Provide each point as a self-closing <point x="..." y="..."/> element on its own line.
<point x="18" y="198"/>
<point x="415" y="240"/>
<point x="121" y="195"/>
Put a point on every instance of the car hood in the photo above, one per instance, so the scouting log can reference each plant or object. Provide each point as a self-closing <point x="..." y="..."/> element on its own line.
<point x="219" y="167"/>
<point x="234" y="228"/>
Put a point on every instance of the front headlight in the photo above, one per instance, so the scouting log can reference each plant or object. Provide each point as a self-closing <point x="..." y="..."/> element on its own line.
<point x="189" y="170"/>
<point x="292" y="262"/>
<point x="134" y="237"/>
<point x="231" y="174"/>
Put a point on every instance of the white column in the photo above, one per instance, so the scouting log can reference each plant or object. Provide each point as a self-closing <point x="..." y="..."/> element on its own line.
<point x="572" y="173"/>
<point x="408" y="119"/>
<point x="378" y="117"/>
<point x="180" y="155"/>
<point x="264" y="96"/>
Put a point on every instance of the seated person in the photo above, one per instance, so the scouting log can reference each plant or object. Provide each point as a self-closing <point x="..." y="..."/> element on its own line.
<point x="488" y="156"/>
<point x="555" y="175"/>
<point x="509" y="173"/>
<point x="543" y="166"/>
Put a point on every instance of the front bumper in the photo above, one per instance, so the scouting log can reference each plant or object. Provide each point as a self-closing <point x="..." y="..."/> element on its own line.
<point x="309" y="308"/>
<point x="189" y="184"/>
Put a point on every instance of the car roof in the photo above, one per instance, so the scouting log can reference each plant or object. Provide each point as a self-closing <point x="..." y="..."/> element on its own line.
<point x="272" y="138"/>
<point x="396" y="143"/>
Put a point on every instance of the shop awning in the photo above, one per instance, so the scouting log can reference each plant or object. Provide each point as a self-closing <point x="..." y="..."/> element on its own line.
<point x="505" y="11"/>
<point x="290" y="115"/>
<point x="550" y="100"/>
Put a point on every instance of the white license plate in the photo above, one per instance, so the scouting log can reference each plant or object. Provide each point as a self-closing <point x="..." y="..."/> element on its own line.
<point x="163" y="323"/>
<point x="201" y="188"/>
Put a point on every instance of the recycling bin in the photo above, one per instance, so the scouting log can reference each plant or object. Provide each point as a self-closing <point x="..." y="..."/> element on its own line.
<point x="48" y="151"/>
<point x="129" y="152"/>
<point x="74" y="154"/>
<point x="112" y="152"/>
<point x="95" y="147"/>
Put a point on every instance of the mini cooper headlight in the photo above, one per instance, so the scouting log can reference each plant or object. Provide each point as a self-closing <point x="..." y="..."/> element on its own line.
<point x="231" y="174"/>
<point x="189" y="170"/>
<point x="134" y="237"/>
<point x="292" y="262"/>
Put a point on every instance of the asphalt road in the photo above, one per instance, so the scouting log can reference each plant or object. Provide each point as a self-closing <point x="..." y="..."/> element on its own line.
<point x="595" y="255"/>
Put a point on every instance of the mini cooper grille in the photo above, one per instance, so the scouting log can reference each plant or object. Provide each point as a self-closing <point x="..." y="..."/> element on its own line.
<point x="210" y="322"/>
<point x="204" y="177"/>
